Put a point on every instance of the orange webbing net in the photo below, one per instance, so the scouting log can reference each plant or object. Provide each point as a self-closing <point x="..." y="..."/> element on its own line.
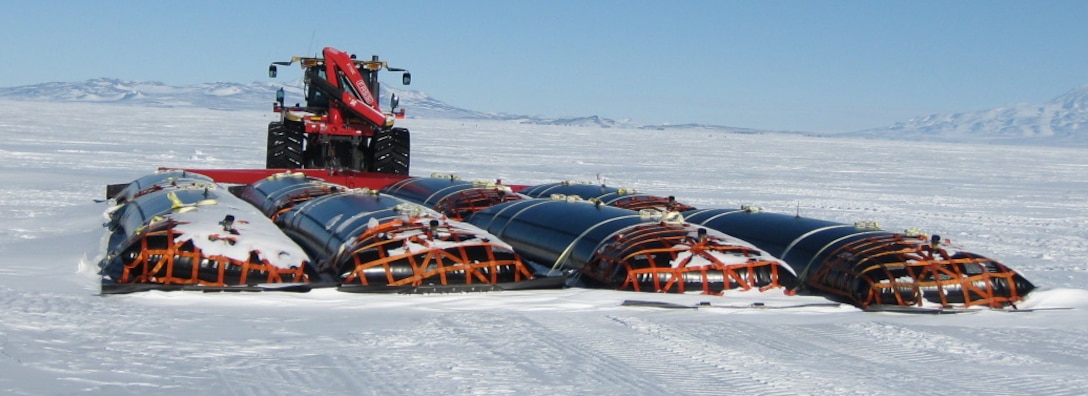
<point x="464" y="203"/>
<point x="412" y="253"/>
<point x="646" y="254"/>
<point x="162" y="259"/>
<point x="907" y="270"/>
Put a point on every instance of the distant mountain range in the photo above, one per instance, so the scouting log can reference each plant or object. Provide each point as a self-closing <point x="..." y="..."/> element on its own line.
<point x="1062" y="121"/>
<point x="217" y="95"/>
<point x="255" y="95"/>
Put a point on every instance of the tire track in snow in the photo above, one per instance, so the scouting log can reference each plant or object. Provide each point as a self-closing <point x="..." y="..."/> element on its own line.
<point x="643" y="351"/>
<point x="399" y="360"/>
<point x="963" y="357"/>
<point x="1051" y="346"/>
<point x="118" y="345"/>
<point x="559" y="362"/>
<point x="1051" y="361"/>
<point x="783" y="365"/>
<point x="715" y="368"/>
<point x="361" y="375"/>
<point x="478" y="366"/>
<point x="942" y="363"/>
<point x="83" y="342"/>
<point x="800" y="362"/>
<point x="323" y="364"/>
<point x="309" y="373"/>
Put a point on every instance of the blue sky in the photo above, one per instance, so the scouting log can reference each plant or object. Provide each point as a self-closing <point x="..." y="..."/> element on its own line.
<point x="786" y="65"/>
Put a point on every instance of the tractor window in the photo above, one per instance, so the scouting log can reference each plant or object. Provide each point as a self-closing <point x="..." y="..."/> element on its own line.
<point x="314" y="97"/>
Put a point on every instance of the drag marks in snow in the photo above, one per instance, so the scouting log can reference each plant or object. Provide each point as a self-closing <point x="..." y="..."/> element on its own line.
<point x="66" y="341"/>
<point x="926" y="359"/>
<point x="301" y="366"/>
<point x="868" y="357"/>
<point x="528" y="352"/>
<point x="697" y="364"/>
<point x="1058" y="350"/>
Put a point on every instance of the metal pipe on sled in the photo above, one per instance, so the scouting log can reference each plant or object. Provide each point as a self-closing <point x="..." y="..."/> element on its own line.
<point x="371" y="242"/>
<point x="869" y="267"/>
<point x="177" y="230"/>
<point x="628" y="250"/>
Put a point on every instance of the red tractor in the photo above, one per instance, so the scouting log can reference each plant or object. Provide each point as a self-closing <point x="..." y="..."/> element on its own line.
<point x="341" y="126"/>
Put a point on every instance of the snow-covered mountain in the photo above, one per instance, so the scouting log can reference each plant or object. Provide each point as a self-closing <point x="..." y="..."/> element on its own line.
<point x="259" y="95"/>
<point x="1061" y="121"/>
<point x="421" y="105"/>
<point x="706" y="127"/>
<point x="217" y="95"/>
<point x="591" y="121"/>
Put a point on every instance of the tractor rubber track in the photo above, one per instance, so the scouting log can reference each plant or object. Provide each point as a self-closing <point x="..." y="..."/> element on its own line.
<point x="390" y="150"/>
<point x="284" y="146"/>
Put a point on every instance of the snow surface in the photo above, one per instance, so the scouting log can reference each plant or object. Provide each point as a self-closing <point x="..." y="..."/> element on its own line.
<point x="1024" y="206"/>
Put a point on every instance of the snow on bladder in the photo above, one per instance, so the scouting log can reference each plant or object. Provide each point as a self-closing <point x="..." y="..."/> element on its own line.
<point x="1023" y="207"/>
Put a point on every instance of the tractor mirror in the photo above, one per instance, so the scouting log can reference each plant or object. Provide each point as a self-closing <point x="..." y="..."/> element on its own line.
<point x="406" y="78"/>
<point x="271" y="71"/>
<point x="279" y="96"/>
<point x="394" y="101"/>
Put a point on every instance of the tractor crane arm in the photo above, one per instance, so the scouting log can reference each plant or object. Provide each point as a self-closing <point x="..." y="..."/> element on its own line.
<point x="344" y="84"/>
